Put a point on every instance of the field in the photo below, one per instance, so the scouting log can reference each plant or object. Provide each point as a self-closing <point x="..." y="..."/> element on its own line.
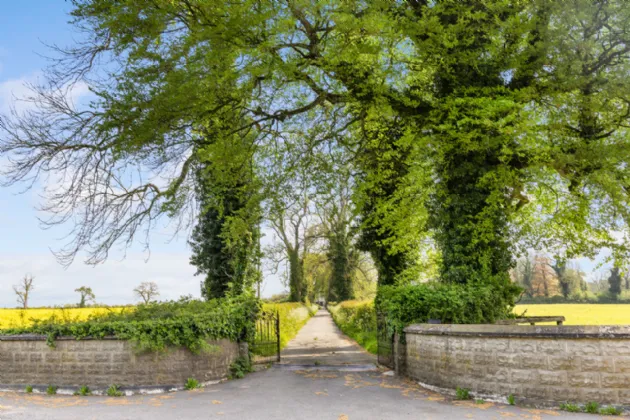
<point x="581" y="314"/>
<point x="14" y="318"/>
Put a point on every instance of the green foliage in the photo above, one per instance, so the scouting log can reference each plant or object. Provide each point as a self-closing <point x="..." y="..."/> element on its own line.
<point x="51" y="390"/>
<point x="156" y="326"/>
<point x="479" y="401"/>
<point x="357" y="319"/>
<point x="225" y="240"/>
<point x="84" y="391"/>
<point x="572" y="408"/>
<point x="114" y="391"/>
<point x="462" y="394"/>
<point x="240" y="367"/>
<point x="29" y="389"/>
<point x="191" y="384"/>
<point x="511" y="400"/>
<point x="450" y="303"/>
<point x="591" y="407"/>
<point x="391" y="216"/>
<point x="293" y="316"/>
<point x="611" y="411"/>
<point x="615" y="282"/>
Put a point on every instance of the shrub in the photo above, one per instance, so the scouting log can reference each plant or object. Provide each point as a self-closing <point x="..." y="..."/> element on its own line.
<point x="462" y="394"/>
<point x="450" y="303"/>
<point x="357" y="319"/>
<point x="83" y="391"/>
<point x="29" y="389"/>
<point x="114" y="391"/>
<point x="192" y="383"/>
<point x="511" y="400"/>
<point x="51" y="390"/>
<point x="240" y="367"/>
<point x="188" y="323"/>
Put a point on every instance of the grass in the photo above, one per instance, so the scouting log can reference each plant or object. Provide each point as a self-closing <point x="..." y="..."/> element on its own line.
<point x="611" y="411"/>
<point x="357" y="319"/>
<point x="293" y="316"/>
<point x="51" y="390"/>
<point x="84" y="391"/>
<point x="511" y="400"/>
<point x="580" y="313"/>
<point x="191" y="384"/>
<point x="14" y="318"/>
<point x="114" y="391"/>
<point x="462" y="394"/>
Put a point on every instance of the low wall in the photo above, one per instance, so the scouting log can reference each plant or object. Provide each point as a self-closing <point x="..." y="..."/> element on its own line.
<point x="536" y="364"/>
<point x="27" y="360"/>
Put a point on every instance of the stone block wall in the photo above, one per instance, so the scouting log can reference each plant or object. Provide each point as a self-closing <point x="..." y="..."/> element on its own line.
<point x="101" y="363"/>
<point x="537" y="364"/>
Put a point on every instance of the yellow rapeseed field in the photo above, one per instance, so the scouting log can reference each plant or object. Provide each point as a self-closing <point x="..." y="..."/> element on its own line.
<point x="12" y="318"/>
<point x="581" y="314"/>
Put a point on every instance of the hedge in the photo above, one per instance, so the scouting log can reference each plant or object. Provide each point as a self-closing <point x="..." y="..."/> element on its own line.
<point x="189" y="323"/>
<point x="450" y="303"/>
<point x="357" y="319"/>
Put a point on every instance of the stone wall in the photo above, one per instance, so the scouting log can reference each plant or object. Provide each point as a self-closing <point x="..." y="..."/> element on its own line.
<point x="537" y="364"/>
<point x="101" y="363"/>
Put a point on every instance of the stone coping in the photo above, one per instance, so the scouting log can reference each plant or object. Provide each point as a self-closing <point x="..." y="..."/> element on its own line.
<point x="39" y="337"/>
<point x="523" y="331"/>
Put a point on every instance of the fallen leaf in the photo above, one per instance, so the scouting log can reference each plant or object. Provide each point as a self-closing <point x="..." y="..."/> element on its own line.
<point x="216" y="402"/>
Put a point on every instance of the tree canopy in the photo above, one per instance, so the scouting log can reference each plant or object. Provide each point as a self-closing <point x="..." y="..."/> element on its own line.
<point x="475" y="128"/>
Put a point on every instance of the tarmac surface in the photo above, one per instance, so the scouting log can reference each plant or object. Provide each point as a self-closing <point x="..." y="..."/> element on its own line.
<point x="324" y="375"/>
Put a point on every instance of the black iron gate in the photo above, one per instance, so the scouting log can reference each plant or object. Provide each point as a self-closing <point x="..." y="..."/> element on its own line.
<point x="385" y="341"/>
<point x="266" y="345"/>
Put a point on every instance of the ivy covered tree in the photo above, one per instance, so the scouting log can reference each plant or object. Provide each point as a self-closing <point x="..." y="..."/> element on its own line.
<point x="474" y="127"/>
<point x="225" y="240"/>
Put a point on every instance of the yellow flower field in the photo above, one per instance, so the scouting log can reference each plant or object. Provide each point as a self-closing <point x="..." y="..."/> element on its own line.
<point x="12" y="318"/>
<point x="581" y="314"/>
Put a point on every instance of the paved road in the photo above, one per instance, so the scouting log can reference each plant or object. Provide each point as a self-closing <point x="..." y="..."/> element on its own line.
<point x="335" y="391"/>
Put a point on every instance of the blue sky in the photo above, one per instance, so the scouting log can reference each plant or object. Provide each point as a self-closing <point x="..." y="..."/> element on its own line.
<point x="24" y="247"/>
<point x="25" y="26"/>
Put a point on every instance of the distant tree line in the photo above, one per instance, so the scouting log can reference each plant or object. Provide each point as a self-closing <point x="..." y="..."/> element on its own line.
<point x="147" y="292"/>
<point x="542" y="277"/>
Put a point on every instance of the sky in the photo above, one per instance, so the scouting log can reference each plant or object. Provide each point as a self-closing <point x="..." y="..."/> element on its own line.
<point x="25" y="248"/>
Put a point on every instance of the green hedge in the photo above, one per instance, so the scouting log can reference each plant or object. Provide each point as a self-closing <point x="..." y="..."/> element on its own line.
<point x="450" y="303"/>
<point x="357" y="319"/>
<point x="189" y="323"/>
<point x="293" y="316"/>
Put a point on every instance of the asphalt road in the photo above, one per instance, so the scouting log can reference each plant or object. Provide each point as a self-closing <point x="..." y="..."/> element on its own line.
<point x="336" y="390"/>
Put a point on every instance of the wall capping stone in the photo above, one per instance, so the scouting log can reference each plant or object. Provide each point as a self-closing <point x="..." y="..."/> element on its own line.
<point x="525" y="331"/>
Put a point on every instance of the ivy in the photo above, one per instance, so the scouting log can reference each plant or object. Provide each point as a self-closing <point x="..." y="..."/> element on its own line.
<point x="155" y="327"/>
<point x="475" y="303"/>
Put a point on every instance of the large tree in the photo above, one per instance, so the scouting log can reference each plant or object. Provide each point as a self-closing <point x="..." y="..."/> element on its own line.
<point x="487" y="125"/>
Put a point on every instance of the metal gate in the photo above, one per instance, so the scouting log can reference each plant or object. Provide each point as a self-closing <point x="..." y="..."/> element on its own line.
<point x="385" y="341"/>
<point x="266" y="345"/>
